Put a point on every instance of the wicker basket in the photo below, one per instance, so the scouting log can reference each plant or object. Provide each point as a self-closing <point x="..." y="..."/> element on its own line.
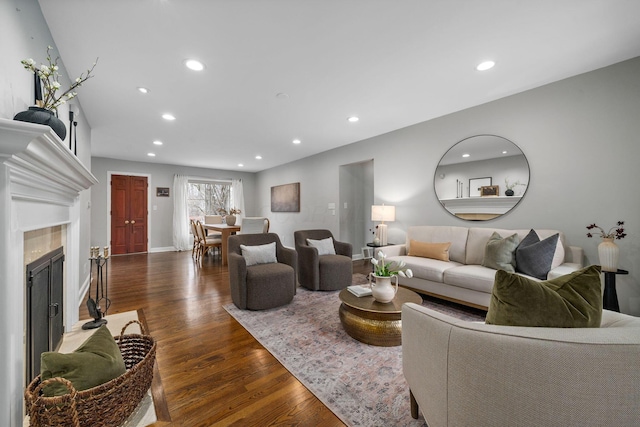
<point x="109" y="404"/>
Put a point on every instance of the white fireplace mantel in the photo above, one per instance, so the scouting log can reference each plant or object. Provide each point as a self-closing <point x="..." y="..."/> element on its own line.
<point x="40" y="185"/>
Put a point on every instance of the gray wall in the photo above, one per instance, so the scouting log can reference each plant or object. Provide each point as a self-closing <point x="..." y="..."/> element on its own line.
<point x="160" y="226"/>
<point x="580" y="136"/>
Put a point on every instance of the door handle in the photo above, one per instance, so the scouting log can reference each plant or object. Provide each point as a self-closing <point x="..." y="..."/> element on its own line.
<point x="133" y="222"/>
<point x="126" y="222"/>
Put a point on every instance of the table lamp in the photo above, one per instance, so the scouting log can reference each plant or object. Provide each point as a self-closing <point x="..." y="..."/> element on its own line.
<point x="382" y="213"/>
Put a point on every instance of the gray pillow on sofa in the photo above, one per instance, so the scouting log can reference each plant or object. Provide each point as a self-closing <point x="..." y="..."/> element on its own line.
<point x="534" y="256"/>
<point x="499" y="252"/>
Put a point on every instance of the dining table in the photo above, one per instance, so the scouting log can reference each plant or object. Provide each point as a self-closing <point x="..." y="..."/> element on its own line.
<point x="225" y="230"/>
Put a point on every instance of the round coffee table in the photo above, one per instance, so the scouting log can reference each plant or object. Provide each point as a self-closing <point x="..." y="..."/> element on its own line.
<point x="372" y="322"/>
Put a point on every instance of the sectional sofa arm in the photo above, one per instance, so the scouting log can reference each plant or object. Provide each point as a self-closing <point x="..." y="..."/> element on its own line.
<point x="574" y="255"/>
<point x="466" y="373"/>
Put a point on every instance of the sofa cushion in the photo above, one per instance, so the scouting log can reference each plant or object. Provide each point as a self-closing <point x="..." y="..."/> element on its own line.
<point x="324" y="246"/>
<point x="499" y="252"/>
<point x="438" y="251"/>
<point x="534" y="257"/>
<point x="98" y="360"/>
<point x="433" y="233"/>
<point x="425" y="268"/>
<point x="573" y="300"/>
<point x="474" y="277"/>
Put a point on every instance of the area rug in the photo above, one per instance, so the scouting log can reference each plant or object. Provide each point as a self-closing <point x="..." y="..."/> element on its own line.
<point x="144" y="414"/>
<point x="362" y="384"/>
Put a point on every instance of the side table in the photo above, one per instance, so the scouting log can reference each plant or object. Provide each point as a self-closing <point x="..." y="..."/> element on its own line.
<point x="610" y="297"/>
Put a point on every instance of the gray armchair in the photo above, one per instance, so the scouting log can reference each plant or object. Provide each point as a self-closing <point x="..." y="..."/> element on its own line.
<point x="323" y="272"/>
<point x="264" y="285"/>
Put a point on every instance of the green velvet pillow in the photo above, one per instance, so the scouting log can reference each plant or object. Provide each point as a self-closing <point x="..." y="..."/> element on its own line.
<point x="97" y="361"/>
<point x="570" y="301"/>
<point x="499" y="253"/>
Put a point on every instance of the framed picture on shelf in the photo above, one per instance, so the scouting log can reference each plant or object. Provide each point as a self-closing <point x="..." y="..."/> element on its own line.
<point x="475" y="185"/>
<point x="489" y="190"/>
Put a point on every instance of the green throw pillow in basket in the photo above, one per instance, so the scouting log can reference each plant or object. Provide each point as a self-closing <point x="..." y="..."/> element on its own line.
<point x="93" y="386"/>
<point x="97" y="361"/>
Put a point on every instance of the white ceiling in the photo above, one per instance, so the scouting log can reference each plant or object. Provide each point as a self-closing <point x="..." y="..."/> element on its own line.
<point x="393" y="63"/>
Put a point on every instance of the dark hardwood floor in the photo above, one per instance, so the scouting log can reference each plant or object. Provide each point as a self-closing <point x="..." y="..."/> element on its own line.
<point x="212" y="371"/>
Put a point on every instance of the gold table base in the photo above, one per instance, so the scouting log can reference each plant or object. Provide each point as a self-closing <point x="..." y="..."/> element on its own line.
<point x="373" y="322"/>
<point x="382" y="329"/>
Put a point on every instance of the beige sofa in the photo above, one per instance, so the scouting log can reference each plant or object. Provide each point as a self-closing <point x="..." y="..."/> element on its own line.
<point x="463" y="279"/>
<point x="472" y="374"/>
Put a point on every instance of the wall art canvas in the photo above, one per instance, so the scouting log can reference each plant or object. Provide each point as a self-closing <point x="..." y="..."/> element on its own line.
<point x="285" y="198"/>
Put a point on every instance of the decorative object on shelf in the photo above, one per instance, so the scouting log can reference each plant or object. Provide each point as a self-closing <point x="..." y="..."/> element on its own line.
<point x="382" y="213"/>
<point x="608" y="251"/>
<point x="509" y="191"/>
<point x="382" y="289"/>
<point x="43" y="116"/>
<point x="93" y="305"/>
<point x="376" y="241"/>
<point x="46" y="77"/>
<point x="489" y="190"/>
<point x="229" y="217"/>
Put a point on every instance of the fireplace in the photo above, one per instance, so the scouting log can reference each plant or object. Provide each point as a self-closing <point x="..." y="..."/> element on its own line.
<point x="41" y="182"/>
<point x="44" y="308"/>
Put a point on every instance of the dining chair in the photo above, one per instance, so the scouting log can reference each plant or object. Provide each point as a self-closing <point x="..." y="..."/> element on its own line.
<point x="207" y="242"/>
<point x="254" y="225"/>
<point x="195" y="251"/>
<point x="213" y="219"/>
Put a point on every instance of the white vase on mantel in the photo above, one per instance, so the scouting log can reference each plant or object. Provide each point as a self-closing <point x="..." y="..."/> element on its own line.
<point x="608" y="253"/>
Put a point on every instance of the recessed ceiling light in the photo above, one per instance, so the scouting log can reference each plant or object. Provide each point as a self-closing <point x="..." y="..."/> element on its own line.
<point x="504" y="152"/>
<point x="194" y="65"/>
<point x="143" y="90"/>
<point x="151" y="154"/>
<point x="282" y="95"/>
<point x="353" y="119"/>
<point x="296" y="141"/>
<point x="258" y="157"/>
<point x="168" y="116"/>
<point x="156" y="142"/>
<point x="465" y="155"/>
<point x="240" y="165"/>
<point x="485" y="65"/>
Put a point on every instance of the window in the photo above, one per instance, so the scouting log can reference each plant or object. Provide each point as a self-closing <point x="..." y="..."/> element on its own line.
<point x="207" y="198"/>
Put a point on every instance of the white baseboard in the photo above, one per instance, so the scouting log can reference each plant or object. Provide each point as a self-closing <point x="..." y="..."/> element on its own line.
<point x="163" y="249"/>
<point x="83" y="290"/>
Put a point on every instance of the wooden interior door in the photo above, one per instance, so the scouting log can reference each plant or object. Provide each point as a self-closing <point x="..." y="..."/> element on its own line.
<point x="128" y="214"/>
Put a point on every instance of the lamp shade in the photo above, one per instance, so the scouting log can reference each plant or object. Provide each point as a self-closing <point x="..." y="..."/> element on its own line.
<point x="383" y="213"/>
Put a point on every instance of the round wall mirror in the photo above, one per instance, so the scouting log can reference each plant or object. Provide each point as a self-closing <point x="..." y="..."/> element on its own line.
<point x="481" y="178"/>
